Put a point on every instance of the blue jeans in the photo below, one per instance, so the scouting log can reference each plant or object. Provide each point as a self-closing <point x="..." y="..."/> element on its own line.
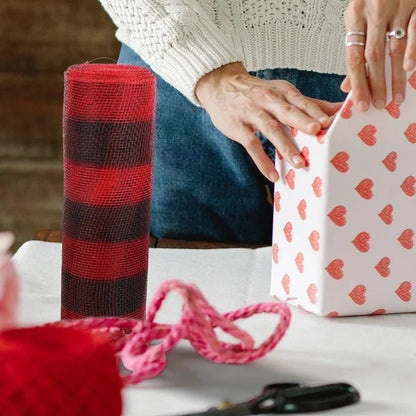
<point x="205" y="186"/>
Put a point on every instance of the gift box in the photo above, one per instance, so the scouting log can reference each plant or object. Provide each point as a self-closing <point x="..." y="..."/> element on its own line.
<point x="343" y="228"/>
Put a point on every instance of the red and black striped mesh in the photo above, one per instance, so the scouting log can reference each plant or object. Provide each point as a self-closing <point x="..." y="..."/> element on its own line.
<point x="108" y="125"/>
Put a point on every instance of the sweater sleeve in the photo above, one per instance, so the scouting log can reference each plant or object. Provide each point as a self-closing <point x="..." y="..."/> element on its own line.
<point x="178" y="39"/>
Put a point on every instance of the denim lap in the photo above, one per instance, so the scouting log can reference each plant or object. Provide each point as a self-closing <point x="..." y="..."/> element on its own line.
<point x="205" y="186"/>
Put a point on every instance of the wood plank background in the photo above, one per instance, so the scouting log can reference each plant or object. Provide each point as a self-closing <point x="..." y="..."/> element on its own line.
<point x="38" y="41"/>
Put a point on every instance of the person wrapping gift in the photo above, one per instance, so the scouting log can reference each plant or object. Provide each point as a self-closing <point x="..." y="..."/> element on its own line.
<point x="242" y="70"/>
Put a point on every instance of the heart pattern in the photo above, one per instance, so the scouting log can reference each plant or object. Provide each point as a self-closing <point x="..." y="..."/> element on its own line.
<point x="390" y="161"/>
<point x="367" y="135"/>
<point x="346" y="111"/>
<point x="365" y="188"/>
<point x="358" y="294"/>
<point x="386" y="214"/>
<point x="344" y="227"/>
<point x="393" y="109"/>
<point x="287" y="229"/>
<point x="290" y="179"/>
<point x="406" y="238"/>
<point x="403" y="291"/>
<point x="361" y="241"/>
<point x="410" y="133"/>
<point x="302" y="209"/>
<point x="340" y="162"/>
<point x="383" y="267"/>
<point x="314" y="240"/>
<point x="337" y="215"/>
<point x="317" y="186"/>
<point x="408" y="186"/>
<point x="335" y="269"/>
<point x="286" y="283"/>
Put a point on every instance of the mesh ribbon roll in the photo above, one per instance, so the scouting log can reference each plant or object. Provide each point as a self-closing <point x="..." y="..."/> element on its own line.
<point x="108" y="126"/>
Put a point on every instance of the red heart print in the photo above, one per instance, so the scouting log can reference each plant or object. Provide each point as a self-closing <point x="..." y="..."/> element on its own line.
<point x="358" y="294"/>
<point x="332" y="314"/>
<point x="334" y="269"/>
<point x="299" y="262"/>
<point x="275" y="253"/>
<point x="361" y="242"/>
<point x="386" y="214"/>
<point x="412" y="80"/>
<point x="367" y="135"/>
<point x="364" y="188"/>
<point x="410" y="133"/>
<point x="305" y="153"/>
<point x="408" y="186"/>
<point x="302" y="209"/>
<point x="278" y="154"/>
<point x="340" y="162"/>
<point x="321" y="136"/>
<point x="277" y="201"/>
<point x="286" y="283"/>
<point x="390" y="161"/>
<point x="378" y="312"/>
<point x="337" y="215"/>
<point x="393" y="109"/>
<point x="406" y="238"/>
<point x="314" y="240"/>
<point x="293" y="131"/>
<point x="316" y="186"/>
<point x="287" y="229"/>
<point x="312" y="291"/>
<point x="383" y="267"/>
<point x="290" y="178"/>
<point x="346" y="111"/>
<point x="403" y="291"/>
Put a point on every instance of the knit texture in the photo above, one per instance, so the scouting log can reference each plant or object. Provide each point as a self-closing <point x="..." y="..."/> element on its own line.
<point x="47" y="371"/>
<point x="108" y="143"/>
<point x="184" y="39"/>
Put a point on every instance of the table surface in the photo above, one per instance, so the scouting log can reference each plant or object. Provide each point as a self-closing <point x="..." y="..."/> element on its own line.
<point x="376" y="354"/>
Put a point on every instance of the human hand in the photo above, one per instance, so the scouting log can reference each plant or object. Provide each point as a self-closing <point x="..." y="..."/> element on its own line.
<point x="240" y="104"/>
<point x="365" y="63"/>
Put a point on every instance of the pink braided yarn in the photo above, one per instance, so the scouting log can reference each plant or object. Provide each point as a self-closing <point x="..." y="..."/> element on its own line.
<point x="131" y="338"/>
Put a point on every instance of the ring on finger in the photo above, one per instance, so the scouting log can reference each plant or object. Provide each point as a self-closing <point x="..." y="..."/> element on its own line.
<point x="397" y="32"/>
<point x="348" y="43"/>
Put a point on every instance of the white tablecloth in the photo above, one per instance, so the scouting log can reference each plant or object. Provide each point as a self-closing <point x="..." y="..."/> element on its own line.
<point x="376" y="354"/>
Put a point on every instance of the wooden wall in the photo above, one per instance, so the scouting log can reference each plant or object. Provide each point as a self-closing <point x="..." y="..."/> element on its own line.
<point x="39" y="39"/>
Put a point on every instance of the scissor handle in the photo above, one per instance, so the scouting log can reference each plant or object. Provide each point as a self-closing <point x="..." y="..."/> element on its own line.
<point x="301" y="399"/>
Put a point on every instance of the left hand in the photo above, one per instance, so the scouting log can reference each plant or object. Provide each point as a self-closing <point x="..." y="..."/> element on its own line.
<point x="365" y="64"/>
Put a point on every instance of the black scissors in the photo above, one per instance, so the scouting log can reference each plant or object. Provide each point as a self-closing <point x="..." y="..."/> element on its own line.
<point x="284" y="398"/>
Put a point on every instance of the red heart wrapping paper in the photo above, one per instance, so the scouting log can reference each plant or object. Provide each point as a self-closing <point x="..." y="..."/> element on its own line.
<point x="344" y="226"/>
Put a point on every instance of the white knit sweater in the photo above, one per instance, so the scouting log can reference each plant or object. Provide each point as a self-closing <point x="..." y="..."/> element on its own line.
<point x="184" y="39"/>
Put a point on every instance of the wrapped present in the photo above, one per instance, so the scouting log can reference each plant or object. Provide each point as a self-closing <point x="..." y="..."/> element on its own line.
<point x="344" y="226"/>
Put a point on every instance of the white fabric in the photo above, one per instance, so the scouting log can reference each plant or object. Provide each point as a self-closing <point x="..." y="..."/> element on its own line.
<point x="376" y="354"/>
<point x="183" y="40"/>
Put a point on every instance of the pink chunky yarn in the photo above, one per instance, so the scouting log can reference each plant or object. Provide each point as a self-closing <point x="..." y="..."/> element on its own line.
<point x="131" y="338"/>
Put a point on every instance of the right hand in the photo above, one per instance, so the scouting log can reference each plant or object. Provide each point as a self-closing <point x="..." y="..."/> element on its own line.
<point x="240" y="104"/>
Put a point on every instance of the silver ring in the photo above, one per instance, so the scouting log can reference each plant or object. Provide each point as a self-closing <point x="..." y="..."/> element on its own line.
<point x="353" y="32"/>
<point x="397" y="32"/>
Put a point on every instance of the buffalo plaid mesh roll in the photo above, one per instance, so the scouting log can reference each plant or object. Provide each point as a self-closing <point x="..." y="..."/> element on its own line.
<point x="108" y="125"/>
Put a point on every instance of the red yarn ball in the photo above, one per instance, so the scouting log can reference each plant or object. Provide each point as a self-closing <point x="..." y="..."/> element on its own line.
<point x="51" y="371"/>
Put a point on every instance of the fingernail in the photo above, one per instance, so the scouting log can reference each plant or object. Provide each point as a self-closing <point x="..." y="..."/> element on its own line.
<point x="398" y="98"/>
<point x="274" y="176"/>
<point x="362" y="106"/>
<point x="297" y="159"/>
<point x="409" y="65"/>
<point x="314" y="127"/>
<point x="379" y="104"/>
<point x="323" y="119"/>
